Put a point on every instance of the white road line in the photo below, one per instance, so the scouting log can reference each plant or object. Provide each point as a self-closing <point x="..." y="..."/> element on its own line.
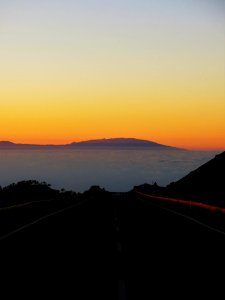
<point x="41" y="219"/>
<point x="23" y="204"/>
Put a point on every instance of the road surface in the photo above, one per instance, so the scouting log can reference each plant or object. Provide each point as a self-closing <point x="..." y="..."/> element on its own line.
<point x="121" y="235"/>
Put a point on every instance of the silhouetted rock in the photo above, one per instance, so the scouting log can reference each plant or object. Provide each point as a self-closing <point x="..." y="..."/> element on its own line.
<point x="26" y="191"/>
<point x="207" y="182"/>
<point x="153" y="189"/>
<point x="95" y="190"/>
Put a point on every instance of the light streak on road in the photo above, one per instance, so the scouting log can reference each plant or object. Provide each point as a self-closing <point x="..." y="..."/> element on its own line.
<point x="185" y="202"/>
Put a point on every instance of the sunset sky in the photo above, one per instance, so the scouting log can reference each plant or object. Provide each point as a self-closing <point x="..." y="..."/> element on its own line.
<point x="87" y="69"/>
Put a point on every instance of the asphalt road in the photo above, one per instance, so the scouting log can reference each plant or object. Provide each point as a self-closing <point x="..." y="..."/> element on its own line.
<point x="121" y="235"/>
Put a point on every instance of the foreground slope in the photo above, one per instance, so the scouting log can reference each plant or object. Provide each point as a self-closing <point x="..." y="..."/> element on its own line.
<point x="207" y="182"/>
<point x="120" y="234"/>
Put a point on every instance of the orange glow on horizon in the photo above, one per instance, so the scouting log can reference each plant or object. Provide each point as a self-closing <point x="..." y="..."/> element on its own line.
<point x="195" y="145"/>
<point x="144" y="74"/>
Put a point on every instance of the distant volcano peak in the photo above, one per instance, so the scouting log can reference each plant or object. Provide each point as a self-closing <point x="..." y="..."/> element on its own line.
<point x="104" y="143"/>
<point x="119" y="142"/>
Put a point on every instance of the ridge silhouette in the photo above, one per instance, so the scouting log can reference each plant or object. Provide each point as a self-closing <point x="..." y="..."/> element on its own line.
<point x="113" y="142"/>
<point x="206" y="182"/>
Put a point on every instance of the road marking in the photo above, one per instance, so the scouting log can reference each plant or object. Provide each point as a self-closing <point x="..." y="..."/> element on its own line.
<point x="41" y="219"/>
<point x="23" y="204"/>
<point x="122" y="295"/>
<point x="119" y="247"/>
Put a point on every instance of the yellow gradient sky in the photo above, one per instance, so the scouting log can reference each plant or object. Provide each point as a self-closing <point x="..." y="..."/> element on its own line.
<point x="77" y="70"/>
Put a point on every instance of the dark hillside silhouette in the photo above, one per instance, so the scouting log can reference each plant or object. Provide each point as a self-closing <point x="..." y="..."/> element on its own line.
<point x="207" y="182"/>
<point x="31" y="191"/>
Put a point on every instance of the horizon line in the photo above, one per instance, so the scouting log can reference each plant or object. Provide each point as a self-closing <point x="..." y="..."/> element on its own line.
<point x="80" y="141"/>
<point x="190" y="148"/>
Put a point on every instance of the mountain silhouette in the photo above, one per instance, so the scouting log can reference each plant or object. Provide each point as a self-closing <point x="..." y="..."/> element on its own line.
<point x="11" y="146"/>
<point x="99" y="143"/>
<point x="119" y="142"/>
<point x="206" y="182"/>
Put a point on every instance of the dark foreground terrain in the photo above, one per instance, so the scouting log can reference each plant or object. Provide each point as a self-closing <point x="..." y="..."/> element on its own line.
<point x="121" y="235"/>
<point x="125" y="235"/>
